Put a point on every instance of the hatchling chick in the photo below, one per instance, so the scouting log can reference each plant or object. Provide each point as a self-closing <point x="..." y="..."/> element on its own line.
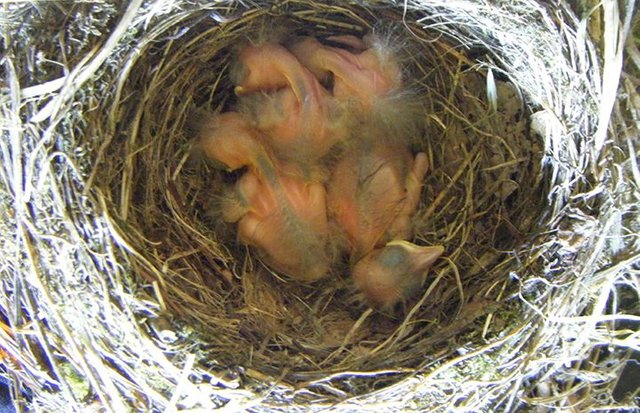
<point x="373" y="192"/>
<point x="394" y="272"/>
<point x="229" y="139"/>
<point x="284" y="217"/>
<point x="301" y="121"/>
<point x="268" y="67"/>
<point x="279" y="213"/>
<point x="362" y="75"/>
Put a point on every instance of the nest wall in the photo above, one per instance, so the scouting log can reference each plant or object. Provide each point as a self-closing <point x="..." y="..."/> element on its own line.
<point x="123" y="289"/>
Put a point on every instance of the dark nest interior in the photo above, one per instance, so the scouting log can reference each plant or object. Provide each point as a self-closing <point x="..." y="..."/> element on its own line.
<point x="122" y="287"/>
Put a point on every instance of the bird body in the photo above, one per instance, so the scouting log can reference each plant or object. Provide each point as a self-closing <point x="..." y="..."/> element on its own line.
<point x="263" y="67"/>
<point x="270" y="67"/>
<point x="364" y="76"/>
<point x="372" y="193"/>
<point x="229" y="139"/>
<point x="286" y="102"/>
<point x="288" y="226"/>
<point x="278" y="212"/>
<point x="284" y="218"/>
<point x="298" y="129"/>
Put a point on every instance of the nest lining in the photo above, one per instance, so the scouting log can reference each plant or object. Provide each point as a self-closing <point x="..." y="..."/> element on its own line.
<point x="266" y="313"/>
<point x="123" y="254"/>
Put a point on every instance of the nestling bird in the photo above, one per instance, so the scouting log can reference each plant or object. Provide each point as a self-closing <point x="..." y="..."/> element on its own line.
<point x="299" y="126"/>
<point x="284" y="217"/>
<point x="229" y="139"/>
<point x="279" y="213"/>
<point x="373" y="191"/>
<point x="364" y="76"/>
<point x="392" y="273"/>
<point x="286" y="102"/>
<point x="287" y="223"/>
<point x="269" y="67"/>
<point x="297" y="197"/>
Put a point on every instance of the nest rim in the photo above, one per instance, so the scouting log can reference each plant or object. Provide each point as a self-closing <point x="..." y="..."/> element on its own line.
<point x="113" y="193"/>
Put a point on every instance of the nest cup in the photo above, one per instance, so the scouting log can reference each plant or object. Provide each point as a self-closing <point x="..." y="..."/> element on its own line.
<point x="124" y="290"/>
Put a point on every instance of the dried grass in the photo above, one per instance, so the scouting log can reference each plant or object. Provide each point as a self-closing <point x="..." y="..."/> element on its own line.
<point x="122" y="290"/>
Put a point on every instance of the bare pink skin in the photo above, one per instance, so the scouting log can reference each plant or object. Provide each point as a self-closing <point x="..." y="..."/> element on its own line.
<point x="278" y="212"/>
<point x="297" y="128"/>
<point x="288" y="224"/>
<point x="363" y="76"/>
<point x="267" y="66"/>
<point x="270" y="67"/>
<point x="284" y="217"/>
<point x="392" y="273"/>
<point x="293" y="109"/>
<point x="372" y="194"/>
<point x="230" y="139"/>
<point x="400" y="227"/>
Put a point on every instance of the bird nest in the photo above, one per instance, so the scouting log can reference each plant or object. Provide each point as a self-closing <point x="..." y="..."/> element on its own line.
<point x="122" y="289"/>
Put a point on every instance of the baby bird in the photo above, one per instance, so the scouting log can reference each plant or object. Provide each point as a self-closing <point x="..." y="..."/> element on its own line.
<point x="299" y="129"/>
<point x="262" y="67"/>
<point x="284" y="218"/>
<point x="294" y="111"/>
<point x="362" y="76"/>
<point x="230" y="140"/>
<point x="269" y="67"/>
<point x="372" y="195"/>
<point x="373" y="192"/>
<point x="278" y="212"/>
<point x="394" y="272"/>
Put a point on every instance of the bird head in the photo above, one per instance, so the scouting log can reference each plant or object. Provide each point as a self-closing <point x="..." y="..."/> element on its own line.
<point x="394" y="272"/>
